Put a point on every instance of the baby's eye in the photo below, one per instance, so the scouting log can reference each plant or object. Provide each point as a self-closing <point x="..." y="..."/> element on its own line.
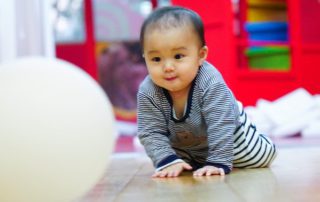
<point x="156" y="59"/>
<point x="178" y="56"/>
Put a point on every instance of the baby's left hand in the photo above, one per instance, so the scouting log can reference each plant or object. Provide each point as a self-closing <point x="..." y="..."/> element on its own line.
<point x="209" y="170"/>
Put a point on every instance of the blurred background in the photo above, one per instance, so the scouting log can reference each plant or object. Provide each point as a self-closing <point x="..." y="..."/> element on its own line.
<point x="265" y="49"/>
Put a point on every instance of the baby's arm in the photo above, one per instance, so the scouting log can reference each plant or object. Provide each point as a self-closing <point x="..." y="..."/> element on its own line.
<point x="153" y="134"/>
<point x="221" y="117"/>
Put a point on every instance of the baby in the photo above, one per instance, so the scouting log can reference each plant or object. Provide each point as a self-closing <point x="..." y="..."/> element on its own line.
<point x="188" y="118"/>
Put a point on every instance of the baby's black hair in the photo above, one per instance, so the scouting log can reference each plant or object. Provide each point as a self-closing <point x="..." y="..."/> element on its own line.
<point x="173" y="16"/>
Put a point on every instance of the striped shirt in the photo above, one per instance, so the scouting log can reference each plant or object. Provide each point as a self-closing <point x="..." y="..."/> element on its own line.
<point x="206" y="134"/>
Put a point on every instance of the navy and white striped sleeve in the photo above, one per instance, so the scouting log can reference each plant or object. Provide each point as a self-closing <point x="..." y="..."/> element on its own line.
<point x="153" y="132"/>
<point x="220" y="116"/>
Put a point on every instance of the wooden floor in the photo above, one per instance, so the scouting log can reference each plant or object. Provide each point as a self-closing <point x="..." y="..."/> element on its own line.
<point x="294" y="176"/>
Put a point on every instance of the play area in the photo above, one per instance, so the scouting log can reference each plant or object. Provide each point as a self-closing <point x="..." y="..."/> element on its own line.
<point x="92" y="111"/>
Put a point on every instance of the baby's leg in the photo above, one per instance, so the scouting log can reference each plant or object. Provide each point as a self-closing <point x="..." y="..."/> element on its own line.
<point x="251" y="148"/>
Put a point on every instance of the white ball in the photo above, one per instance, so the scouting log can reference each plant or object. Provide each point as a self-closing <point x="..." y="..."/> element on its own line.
<point x="56" y="131"/>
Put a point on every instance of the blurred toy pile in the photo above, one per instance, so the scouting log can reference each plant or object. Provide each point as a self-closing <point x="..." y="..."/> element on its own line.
<point x="297" y="113"/>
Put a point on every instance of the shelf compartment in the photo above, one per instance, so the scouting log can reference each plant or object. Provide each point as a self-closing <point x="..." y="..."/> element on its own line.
<point x="281" y="4"/>
<point x="268" y="58"/>
<point x="267" y="31"/>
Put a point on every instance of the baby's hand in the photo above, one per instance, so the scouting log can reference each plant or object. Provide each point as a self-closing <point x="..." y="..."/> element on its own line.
<point x="173" y="170"/>
<point x="209" y="170"/>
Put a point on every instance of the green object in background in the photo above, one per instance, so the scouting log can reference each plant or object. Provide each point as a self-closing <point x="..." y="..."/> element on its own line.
<point x="269" y="57"/>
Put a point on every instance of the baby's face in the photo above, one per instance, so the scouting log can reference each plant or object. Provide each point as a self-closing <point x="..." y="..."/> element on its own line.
<point x="173" y="57"/>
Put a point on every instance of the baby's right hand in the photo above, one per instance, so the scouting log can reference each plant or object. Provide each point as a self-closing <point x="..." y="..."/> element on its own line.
<point x="173" y="170"/>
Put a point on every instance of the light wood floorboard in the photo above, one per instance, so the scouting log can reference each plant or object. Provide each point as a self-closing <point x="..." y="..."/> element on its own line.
<point x="294" y="176"/>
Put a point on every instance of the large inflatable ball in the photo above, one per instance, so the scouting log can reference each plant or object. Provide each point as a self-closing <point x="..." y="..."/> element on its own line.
<point x="56" y="131"/>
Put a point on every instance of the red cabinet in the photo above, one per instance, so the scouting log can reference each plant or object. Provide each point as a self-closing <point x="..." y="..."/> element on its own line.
<point x="228" y="41"/>
<point x="82" y="53"/>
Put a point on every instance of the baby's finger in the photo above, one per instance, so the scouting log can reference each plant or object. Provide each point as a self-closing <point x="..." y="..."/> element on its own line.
<point x="169" y="174"/>
<point x="187" y="166"/>
<point x="221" y="172"/>
<point x="159" y="174"/>
<point x="163" y="174"/>
<point x="172" y="174"/>
<point x="176" y="173"/>
<point x="215" y="171"/>
<point x="211" y="172"/>
<point x="200" y="172"/>
<point x="156" y="174"/>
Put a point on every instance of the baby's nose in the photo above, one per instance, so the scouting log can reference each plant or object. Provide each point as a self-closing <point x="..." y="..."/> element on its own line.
<point x="168" y="67"/>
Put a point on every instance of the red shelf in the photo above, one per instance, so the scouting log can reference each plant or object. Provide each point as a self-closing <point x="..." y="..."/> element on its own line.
<point x="245" y="42"/>
<point x="245" y="73"/>
<point x="227" y="40"/>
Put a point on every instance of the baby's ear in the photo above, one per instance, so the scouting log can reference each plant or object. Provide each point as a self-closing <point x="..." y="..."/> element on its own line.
<point x="203" y="54"/>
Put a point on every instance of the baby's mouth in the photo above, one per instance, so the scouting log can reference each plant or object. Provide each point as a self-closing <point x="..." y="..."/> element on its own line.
<point x="170" y="78"/>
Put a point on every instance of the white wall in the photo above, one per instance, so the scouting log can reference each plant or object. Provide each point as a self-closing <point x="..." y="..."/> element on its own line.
<point x="7" y="31"/>
<point x="26" y="29"/>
